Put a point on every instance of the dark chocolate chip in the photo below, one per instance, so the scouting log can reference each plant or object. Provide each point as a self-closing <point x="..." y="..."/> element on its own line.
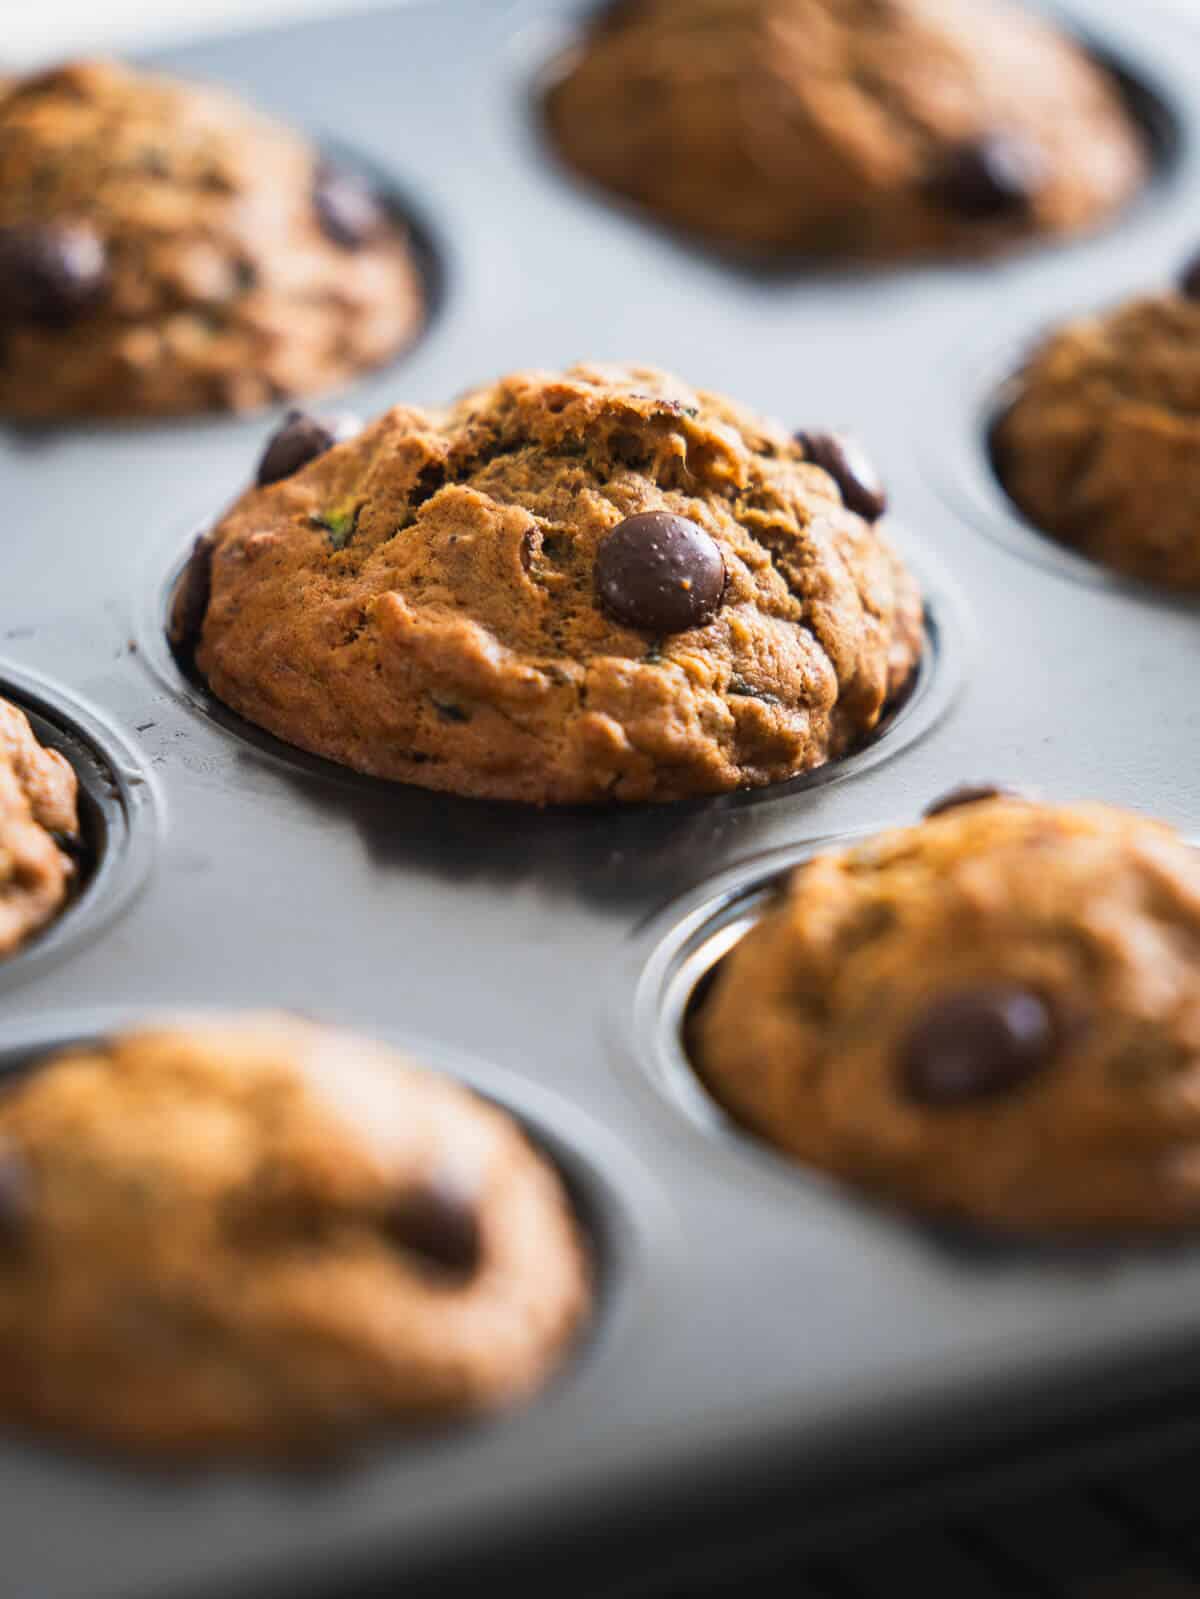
<point x="299" y="439"/>
<point x="977" y="1044"/>
<point x="51" y="274"/>
<point x="992" y="178"/>
<point x="347" y="207"/>
<point x="660" y="573"/>
<point x="16" y="1197"/>
<point x="439" y="1223"/>
<point x="1189" y="279"/>
<point x="849" y="467"/>
<point x="970" y="794"/>
<point x="189" y="605"/>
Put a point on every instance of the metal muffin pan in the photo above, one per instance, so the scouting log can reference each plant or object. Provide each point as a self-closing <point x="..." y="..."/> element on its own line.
<point x="766" y="1341"/>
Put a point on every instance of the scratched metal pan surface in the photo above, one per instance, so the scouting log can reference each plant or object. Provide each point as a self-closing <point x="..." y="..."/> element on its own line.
<point x="756" y="1324"/>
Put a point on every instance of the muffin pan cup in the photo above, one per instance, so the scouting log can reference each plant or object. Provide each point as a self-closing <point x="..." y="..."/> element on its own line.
<point x="118" y="822"/>
<point x="766" y="1340"/>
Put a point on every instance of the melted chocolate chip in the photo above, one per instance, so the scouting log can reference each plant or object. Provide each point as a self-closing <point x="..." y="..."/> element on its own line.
<point x="439" y="1224"/>
<point x="970" y="794"/>
<point x="992" y="178"/>
<point x="1189" y="279"/>
<point x="347" y="208"/>
<point x="977" y="1044"/>
<point x="660" y="573"/>
<point x="51" y="274"/>
<point x="190" y="603"/>
<point x="299" y="439"/>
<point x="847" y="464"/>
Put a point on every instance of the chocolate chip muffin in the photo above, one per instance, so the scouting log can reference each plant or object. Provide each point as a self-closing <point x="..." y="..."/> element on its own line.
<point x="261" y="1236"/>
<point x="879" y="129"/>
<point x="39" y="831"/>
<point x="993" y="1016"/>
<point x="1098" y="442"/>
<point x="598" y="586"/>
<point x="165" y="250"/>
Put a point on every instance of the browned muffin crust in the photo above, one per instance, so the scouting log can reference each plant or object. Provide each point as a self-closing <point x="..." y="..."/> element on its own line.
<point x="1099" y="441"/>
<point x="879" y="129"/>
<point x="258" y="1236"/>
<point x="428" y="601"/>
<point x="162" y="251"/>
<point x="993" y="1016"/>
<point x="38" y="816"/>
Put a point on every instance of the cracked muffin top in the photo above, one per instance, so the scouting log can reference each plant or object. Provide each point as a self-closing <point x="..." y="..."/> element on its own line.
<point x="603" y="585"/>
<point x="165" y="250"/>
<point x="879" y="129"/>
<point x="39" y="830"/>
<point x="255" y="1235"/>
<point x="993" y="1016"/>
<point x="1099" y="440"/>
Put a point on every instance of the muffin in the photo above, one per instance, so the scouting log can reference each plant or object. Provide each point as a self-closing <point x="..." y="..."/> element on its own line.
<point x="603" y="585"/>
<point x="258" y="1236"/>
<point x="993" y="1016"/>
<point x="875" y="129"/>
<point x="1098" y="441"/>
<point x="165" y="250"/>
<point x="39" y="831"/>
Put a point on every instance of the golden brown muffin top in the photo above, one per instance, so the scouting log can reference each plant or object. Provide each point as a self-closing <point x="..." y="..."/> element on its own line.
<point x="439" y="599"/>
<point x="163" y="248"/>
<point x="258" y="1235"/>
<point x="993" y="1015"/>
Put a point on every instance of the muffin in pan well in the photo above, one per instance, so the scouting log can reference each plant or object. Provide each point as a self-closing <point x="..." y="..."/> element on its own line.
<point x="164" y="250"/>
<point x="256" y="1235"/>
<point x="599" y="585"/>
<point x="881" y="130"/>
<point x="993" y="1016"/>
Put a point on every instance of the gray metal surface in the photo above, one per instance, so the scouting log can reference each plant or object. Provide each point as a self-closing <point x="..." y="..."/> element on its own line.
<point x="755" y="1320"/>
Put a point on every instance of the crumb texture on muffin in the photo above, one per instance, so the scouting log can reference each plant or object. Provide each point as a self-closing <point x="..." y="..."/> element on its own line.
<point x="458" y="599"/>
<point x="840" y="128"/>
<point x="1099" y="441"/>
<point x="257" y="1235"/>
<point x="164" y="250"/>
<point x="993" y="1016"/>
<point x="38" y="816"/>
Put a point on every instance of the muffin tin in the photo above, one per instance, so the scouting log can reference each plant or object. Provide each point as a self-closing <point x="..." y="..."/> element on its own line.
<point x="766" y="1340"/>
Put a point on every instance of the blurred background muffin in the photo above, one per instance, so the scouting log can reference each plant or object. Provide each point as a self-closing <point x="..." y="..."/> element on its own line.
<point x="1098" y="440"/>
<point x="992" y="1016"/>
<point x="257" y="1235"/>
<point x="882" y="129"/>
<point x="166" y="250"/>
